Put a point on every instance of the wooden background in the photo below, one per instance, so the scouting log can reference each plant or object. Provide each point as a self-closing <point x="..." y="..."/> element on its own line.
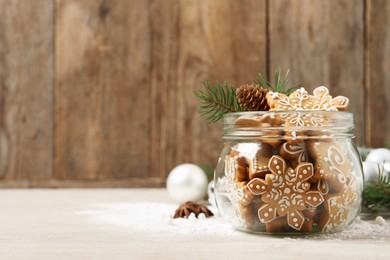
<point x="99" y="93"/>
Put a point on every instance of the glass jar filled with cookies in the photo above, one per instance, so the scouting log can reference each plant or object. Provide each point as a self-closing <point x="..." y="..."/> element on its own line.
<point x="293" y="169"/>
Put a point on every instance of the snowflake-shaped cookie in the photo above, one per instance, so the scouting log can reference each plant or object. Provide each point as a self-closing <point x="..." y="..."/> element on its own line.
<point x="285" y="192"/>
<point x="300" y="100"/>
<point x="337" y="209"/>
<point x="322" y="100"/>
<point x="296" y="101"/>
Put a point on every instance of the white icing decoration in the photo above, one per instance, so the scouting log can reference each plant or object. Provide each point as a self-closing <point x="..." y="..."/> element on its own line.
<point x="339" y="207"/>
<point x="284" y="192"/>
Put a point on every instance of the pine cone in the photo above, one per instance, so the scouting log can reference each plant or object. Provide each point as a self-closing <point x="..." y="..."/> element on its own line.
<point x="252" y="97"/>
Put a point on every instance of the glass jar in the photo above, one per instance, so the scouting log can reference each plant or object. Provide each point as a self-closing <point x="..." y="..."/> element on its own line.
<point x="289" y="172"/>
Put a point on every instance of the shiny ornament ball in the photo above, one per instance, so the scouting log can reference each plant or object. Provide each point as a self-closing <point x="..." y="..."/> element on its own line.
<point x="211" y="193"/>
<point x="371" y="170"/>
<point x="379" y="155"/>
<point x="187" y="182"/>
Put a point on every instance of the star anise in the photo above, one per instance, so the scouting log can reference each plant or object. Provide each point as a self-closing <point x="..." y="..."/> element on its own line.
<point x="185" y="210"/>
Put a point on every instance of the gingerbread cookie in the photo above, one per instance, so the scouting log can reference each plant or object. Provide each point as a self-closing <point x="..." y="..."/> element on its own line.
<point x="331" y="164"/>
<point x="285" y="192"/>
<point x="300" y="119"/>
<point x="280" y="225"/>
<point x="322" y="100"/>
<point x="248" y="213"/>
<point x="258" y="120"/>
<point x="258" y="165"/>
<point x="248" y="121"/>
<point x="277" y="225"/>
<point x="301" y="100"/>
<point x="248" y="205"/>
<point x="310" y="212"/>
<point x="243" y="194"/>
<point x="236" y="167"/>
<point x="337" y="209"/>
<point x="281" y="102"/>
<point x="262" y="121"/>
<point x="296" y="153"/>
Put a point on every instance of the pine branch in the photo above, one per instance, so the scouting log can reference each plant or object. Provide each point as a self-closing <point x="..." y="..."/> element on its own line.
<point x="217" y="100"/>
<point x="280" y="85"/>
<point x="376" y="194"/>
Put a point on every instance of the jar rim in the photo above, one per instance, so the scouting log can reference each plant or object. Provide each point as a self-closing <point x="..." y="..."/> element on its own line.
<point x="341" y="113"/>
<point x="261" y="123"/>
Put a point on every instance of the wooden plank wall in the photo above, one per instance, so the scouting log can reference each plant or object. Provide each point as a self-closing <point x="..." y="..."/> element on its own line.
<point x="98" y="93"/>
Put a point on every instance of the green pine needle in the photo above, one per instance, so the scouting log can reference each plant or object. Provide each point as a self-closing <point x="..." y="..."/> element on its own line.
<point x="280" y="85"/>
<point x="208" y="170"/>
<point x="376" y="193"/>
<point x="220" y="99"/>
<point x="217" y="100"/>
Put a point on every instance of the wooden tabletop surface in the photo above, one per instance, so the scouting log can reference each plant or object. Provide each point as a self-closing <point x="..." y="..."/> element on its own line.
<point x="45" y="224"/>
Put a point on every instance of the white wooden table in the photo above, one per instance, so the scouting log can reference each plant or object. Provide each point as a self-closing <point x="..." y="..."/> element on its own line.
<point x="46" y="224"/>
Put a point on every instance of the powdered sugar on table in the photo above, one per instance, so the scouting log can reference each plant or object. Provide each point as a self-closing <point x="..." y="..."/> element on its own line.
<point x="156" y="219"/>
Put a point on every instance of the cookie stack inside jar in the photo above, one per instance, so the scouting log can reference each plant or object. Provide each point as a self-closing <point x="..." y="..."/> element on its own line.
<point x="293" y="168"/>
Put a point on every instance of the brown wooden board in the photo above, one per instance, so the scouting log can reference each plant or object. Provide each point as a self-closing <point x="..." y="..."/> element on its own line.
<point x="102" y="89"/>
<point x="106" y="183"/>
<point x="322" y="42"/>
<point x="378" y="73"/>
<point x="26" y="89"/>
<point x="195" y="41"/>
<point x="125" y="75"/>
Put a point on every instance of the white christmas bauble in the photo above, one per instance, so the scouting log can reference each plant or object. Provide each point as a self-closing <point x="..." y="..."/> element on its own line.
<point x="371" y="170"/>
<point x="187" y="182"/>
<point x="211" y="193"/>
<point x="379" y="155"/>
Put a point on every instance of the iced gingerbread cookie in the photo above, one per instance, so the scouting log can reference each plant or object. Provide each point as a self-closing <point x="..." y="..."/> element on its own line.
<point x="322" y="100"/>
<point x="243" y="193"/>
<point x="249" y="213"/>
<point x="332" y="167"/>
<point x="296" y="153"/>
<point x="258" y="165"/>
<point x="280" y="225"/>
<point x="301" y="100"/>
<point x="337" y="208"/>
<point x="262" y="121"/>
<point x="285" y="192"/>
<point x="236" y="167"/>
<point x="248" y="203"/>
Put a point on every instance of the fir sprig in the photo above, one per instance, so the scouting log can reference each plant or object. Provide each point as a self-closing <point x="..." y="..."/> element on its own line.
<point x="280" y="85"/>
<point x="376" y="193"/>
<point x="220" y="99"/>
<point x="217" y="100"/>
